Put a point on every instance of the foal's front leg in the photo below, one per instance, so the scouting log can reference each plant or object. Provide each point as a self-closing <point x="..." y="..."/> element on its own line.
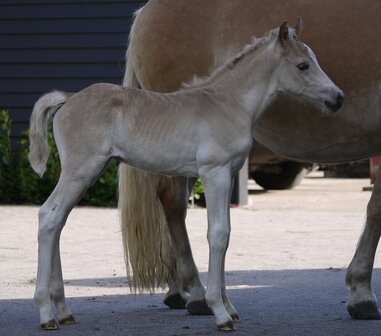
<point x="217" y="183"/>
<point x="362" y="301"/>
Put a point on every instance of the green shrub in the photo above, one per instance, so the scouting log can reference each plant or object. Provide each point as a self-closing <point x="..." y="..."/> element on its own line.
<point x="198" y="189"/>
<point x="19" y="184"/>
<point x="8" y="173"/>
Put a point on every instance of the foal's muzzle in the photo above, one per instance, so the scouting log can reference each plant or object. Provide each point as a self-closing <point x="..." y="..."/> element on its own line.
<point x="335" y="105"/>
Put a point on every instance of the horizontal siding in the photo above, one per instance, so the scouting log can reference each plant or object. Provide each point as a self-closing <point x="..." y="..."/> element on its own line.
<point x="64" y="45"/>
<point x="43" y="85"/>
<point x="65" y="10"/>
<point x="64" y="70"/>
<point x="64" y="2"/>
<point x="61" y="26"/>
<point x="65" y="40"/>
<point x="54" y="56"/>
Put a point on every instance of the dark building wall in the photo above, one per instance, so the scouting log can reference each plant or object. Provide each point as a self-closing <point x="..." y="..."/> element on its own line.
<point x="59" y="44"/>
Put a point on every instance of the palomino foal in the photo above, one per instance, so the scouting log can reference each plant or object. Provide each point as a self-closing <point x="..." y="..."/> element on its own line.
<point x="107" y="121"/>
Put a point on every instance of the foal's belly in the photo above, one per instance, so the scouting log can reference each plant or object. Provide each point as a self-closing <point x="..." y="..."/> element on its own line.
<point x="169" y="156"/>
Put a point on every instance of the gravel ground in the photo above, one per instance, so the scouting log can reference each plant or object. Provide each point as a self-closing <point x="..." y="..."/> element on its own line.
<point x="285" y="267"/>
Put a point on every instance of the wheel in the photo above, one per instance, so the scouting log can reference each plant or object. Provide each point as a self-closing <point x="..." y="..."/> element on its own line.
<point x="285" y="175"/>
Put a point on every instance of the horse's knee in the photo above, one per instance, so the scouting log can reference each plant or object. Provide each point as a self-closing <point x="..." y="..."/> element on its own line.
<point x="218" y="239"/>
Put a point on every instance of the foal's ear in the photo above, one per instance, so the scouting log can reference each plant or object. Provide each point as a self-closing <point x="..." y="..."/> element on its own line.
<point x="283" y="34"/>
<point x="299" y="26"/>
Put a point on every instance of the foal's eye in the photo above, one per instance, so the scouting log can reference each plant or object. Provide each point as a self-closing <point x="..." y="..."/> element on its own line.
<point x="303" y="66"/>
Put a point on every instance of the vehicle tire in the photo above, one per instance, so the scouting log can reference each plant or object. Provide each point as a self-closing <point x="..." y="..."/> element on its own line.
<point x="286" y="176"/>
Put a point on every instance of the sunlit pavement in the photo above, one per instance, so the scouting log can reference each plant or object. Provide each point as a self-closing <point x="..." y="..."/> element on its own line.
<point x="285" y="267"/>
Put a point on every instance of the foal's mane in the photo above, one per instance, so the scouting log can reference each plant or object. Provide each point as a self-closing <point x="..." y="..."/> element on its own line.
<point x="253" y="46"/>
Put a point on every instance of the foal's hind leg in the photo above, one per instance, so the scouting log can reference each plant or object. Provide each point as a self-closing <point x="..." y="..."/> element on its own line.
<point x="362" y="301"/>
<point x="57" y="291"/>
<point x="52" y="217"/>
<point x="174" y="194"/>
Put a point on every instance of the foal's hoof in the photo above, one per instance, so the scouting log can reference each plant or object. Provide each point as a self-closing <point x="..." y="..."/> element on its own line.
<point x="364" y="311"/>
<point x="50" y="325"/>
<point x="198" y="307"/>
<point x="68" y="320"/>
<point x="228" y="326"/>
<point x="175" y="301"/>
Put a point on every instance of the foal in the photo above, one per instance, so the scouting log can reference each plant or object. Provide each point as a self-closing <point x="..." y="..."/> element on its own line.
<point x="204" y="130"/>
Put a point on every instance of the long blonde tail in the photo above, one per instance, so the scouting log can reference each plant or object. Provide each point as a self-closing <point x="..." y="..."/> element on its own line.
<point x="149" y="256"/>
<point x="44" y="108"/>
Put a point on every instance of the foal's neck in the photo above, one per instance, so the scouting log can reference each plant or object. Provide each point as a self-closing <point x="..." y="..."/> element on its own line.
<point x="250" y="82"/>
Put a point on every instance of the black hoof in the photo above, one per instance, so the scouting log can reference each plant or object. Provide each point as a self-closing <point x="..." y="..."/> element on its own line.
<point x="175" y="301"/>
<point x="198" y="308"/>
<point x="68" y="320"/>
<point x="50" y="325"/>
<point x="364" y="311"/>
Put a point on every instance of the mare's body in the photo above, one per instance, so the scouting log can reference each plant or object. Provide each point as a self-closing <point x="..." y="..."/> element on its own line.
<point x="172" y="40"/>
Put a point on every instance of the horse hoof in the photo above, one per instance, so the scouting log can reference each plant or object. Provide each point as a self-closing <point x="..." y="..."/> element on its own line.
<point x="198" y="307"/>
<point x="228" y="326"/>
<point x="50" y="325"/>
<point x="175" y="301"/>
<point x="68" y="320"/>
<point x="364" y="311"/>
<point x="235" y="318"/>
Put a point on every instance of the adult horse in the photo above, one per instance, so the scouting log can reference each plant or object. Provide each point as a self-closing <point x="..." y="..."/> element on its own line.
<point x="170" y="42"/>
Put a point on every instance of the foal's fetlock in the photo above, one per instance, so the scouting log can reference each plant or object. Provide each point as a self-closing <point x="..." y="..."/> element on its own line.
<point x="64" y="314"/>
<point x="232" y="312"/>
<point x="47" y="320"/>
<point x="235" y="317"/>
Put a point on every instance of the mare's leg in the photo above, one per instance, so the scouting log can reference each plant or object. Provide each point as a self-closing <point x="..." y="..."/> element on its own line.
<point x="217" y="183"/>
<point x="174" y="194"/>
<point x="72" y="184"/>
<point x="362" y="302"/>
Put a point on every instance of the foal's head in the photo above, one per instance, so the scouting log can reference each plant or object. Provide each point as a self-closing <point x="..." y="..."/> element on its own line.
<point x="299" y="72"/>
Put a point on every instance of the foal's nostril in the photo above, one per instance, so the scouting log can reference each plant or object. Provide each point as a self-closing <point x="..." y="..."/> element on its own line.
<point x="340" y="99"/>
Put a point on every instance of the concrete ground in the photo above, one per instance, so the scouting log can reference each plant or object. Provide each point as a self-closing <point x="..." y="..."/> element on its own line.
<point x="285" y="267"/>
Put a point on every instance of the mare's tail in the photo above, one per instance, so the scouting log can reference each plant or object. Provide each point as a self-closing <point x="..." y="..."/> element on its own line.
<point x="44" y="108"/>
<point x="147" y="244"/>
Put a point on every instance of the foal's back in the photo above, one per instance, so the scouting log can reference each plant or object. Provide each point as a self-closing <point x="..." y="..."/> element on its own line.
<point x="160" y="132"/>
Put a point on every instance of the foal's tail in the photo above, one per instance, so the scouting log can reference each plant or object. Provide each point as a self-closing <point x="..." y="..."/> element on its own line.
<point x="147" y="244"/>
<point x="44" y="108"/>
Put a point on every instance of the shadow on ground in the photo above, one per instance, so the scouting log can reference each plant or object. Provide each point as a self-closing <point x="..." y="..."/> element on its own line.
<point x="286" y="302"/>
